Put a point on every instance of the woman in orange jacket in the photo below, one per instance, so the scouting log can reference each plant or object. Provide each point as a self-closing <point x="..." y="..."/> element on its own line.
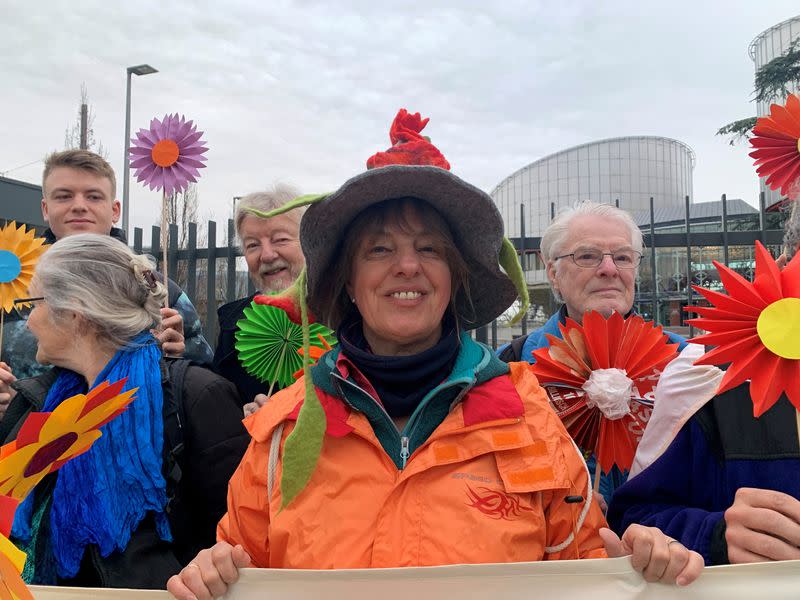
<point x="409" y="443"/>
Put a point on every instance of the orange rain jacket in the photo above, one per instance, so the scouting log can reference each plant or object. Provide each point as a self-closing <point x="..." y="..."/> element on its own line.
<point x="491" y="483"/>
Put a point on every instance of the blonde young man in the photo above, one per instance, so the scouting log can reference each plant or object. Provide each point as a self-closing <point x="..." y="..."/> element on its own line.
<point x="79" y="196"/>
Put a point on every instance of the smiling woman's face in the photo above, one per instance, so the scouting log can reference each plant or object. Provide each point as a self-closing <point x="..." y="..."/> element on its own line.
<point x="400" y="281"/>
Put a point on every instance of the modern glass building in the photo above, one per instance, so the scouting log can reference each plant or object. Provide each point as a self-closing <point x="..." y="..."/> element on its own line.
<point x="768" y="45"/>
<point x="626" y="170"/>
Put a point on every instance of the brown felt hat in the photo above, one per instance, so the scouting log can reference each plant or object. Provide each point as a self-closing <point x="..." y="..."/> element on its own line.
<point x="473" y="218"/>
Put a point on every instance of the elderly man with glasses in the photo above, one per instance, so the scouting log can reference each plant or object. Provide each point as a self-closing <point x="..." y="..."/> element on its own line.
<point x="592" y="254"/>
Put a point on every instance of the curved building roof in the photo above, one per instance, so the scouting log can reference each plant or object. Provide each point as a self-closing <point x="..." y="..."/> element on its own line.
<point x="626" y="170"/>
<point x="596" y="143"/>
<point x="751" y="49"/>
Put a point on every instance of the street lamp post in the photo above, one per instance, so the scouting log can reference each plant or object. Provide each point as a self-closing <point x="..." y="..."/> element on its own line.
<point x="137" y="70"/>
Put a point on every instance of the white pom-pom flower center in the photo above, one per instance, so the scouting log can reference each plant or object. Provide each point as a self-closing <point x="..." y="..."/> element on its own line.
<point x="610" y="391"/>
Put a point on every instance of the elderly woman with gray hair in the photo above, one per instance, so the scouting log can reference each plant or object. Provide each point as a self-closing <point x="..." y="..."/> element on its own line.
<point x="139" y="504"/>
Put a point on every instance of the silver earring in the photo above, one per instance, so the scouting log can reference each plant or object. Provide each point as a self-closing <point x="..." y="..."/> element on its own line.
<point x="353" y="300"/>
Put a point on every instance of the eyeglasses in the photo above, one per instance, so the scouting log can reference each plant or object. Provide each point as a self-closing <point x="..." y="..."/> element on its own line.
<point x="24" y="306"/>
<point x="590" y="258"/>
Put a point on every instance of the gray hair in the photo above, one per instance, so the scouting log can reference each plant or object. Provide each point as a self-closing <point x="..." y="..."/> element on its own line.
<point x="266" y="201"/>
<point x="556" y="233"/>
<point x="101" y="279"/>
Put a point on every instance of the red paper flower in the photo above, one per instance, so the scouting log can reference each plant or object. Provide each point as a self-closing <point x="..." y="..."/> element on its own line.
<point x="599" y="354"/>
<point x="755" y="328"/>
<point x="776" y="138"/>
<point x="409" y="147"/>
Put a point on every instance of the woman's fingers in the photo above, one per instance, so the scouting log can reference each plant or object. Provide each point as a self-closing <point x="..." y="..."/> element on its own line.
<point x="678" y="560"/>
<point x="222" y="556"/>
<point x="660" y="558"/>
<point x="189" y="584"/>
<point x="210" y="573"/>
<point x="692" y="570"/>
<point x="614" y="546"/>
<point x="240" y="557"/>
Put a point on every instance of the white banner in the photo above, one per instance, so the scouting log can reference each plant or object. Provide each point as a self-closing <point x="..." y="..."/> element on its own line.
<point x="568" y="579"/>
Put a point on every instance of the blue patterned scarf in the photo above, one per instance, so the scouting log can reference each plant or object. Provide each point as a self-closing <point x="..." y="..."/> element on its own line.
<point x="101" y="496"/>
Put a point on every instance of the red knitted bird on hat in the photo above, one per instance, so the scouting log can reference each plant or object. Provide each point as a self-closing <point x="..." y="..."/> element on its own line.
<point x="408" y="146"/>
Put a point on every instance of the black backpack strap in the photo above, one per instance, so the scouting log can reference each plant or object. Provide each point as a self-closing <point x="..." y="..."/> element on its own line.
<point x="513" y="352"/>
<point x="174" y="421"/>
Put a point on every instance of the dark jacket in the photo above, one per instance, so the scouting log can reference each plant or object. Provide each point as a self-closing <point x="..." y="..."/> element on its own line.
<point x="722" y="448"/>
<point x="226" y="358"/>
<point x="214" y="441"/>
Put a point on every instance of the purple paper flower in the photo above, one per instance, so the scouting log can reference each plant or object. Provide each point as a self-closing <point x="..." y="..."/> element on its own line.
<point x="168" y="155"/>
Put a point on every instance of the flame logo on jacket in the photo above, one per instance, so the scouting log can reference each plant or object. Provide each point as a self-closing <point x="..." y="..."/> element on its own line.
<point x="497" y="505"/>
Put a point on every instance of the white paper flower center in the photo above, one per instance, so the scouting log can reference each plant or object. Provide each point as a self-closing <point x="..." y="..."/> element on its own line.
<point x="610" y="391"/>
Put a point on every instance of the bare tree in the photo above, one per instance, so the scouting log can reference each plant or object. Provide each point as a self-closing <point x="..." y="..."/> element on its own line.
<point x="81" y="134"/>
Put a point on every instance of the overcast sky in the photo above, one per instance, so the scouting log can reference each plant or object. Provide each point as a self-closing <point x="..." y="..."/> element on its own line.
<point x="304" y="92"/>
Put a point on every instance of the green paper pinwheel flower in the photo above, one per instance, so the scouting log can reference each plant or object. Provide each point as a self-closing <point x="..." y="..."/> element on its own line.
<point x="268" y="342"/>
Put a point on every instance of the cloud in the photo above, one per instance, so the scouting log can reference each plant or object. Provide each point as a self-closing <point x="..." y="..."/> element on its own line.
<point x="304" y="92"/>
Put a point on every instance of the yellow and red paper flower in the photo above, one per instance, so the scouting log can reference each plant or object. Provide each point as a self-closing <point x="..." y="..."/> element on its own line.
<point x="19" y="252"/>
<point x="597" y="378"/>
<point x="48" y="440"/>
<point x="45" y="442"/>
<point x="776" y="139"/>
<point x="755" y="328"/>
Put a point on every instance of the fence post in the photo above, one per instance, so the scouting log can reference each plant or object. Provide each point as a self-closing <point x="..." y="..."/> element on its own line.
<point x="191" y="264"/>
<point x="172" y="253"/>
<point x="688" y="262"/>
<point x="211" y="282"/>
<point x="523" y="261"/>
<point x="725" y="229"/>
<point x="653" y="274"/>
<point x="137" y="240"/>
<point x="230" y="293"/>
<point x="155" y="245"/>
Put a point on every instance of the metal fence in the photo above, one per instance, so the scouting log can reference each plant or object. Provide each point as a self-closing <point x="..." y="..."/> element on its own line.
<point x="688" y="251"/>
<point x="208" y="288"/>
<point x="692" y="251"/>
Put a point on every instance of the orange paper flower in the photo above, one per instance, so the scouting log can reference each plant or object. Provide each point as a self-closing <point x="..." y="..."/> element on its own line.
<point x="776" y="139"/>
<point x="604" y="353"/>
<point x="48" y="440"/>
<point x="755" y="328"/>
<point x="314" y="352"/>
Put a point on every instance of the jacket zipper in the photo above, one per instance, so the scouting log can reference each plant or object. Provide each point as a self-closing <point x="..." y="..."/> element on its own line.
<point x="404" y="450"/>
<point x="339" y="380"/>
